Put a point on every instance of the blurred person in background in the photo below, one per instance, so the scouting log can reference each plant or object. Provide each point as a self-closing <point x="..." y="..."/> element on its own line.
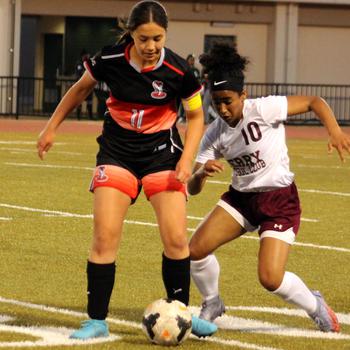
<point x="195" y="71"/>
<point x="79" y="71"/>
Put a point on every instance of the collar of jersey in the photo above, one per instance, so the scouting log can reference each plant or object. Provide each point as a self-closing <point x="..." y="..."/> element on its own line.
<point x="136" y="67"/>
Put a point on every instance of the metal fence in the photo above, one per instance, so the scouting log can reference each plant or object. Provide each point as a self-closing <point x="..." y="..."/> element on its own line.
<point x="27" y="96"/>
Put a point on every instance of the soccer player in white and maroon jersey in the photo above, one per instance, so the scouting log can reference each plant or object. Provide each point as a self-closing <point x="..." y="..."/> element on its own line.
<point x="139" y="147"/>
<point x="250" y="136"/>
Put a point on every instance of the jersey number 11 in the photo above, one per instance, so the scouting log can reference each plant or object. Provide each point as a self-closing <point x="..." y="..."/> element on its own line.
<point x="136" y="118"/>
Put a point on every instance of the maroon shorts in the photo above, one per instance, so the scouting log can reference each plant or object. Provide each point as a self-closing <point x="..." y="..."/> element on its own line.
<point x="277" y="210"/>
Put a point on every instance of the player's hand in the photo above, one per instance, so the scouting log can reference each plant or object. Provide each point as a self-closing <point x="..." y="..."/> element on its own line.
<point x="183" y="170"/>
<point x="45" y="142"/>
<point x="211" y="167"/>
<point x="341" y="142"/>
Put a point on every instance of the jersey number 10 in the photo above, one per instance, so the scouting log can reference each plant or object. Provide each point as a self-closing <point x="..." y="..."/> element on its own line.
<point x="253" y="131"/>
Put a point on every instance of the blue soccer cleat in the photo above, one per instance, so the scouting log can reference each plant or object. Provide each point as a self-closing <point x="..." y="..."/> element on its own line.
<point x="202" y="328"/>
<point x="91" y="329"/>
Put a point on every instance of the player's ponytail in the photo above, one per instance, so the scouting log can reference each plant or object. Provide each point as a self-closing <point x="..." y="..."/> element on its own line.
<point x="124" y="35"/>
<point x="125" y="38"/>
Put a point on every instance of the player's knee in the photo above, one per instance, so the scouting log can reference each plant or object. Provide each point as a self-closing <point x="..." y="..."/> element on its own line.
<point x="196" y="253"/>
<point x="270" y="279"/>
<point x="104" y="243"/>
<point x="176" y="243"/>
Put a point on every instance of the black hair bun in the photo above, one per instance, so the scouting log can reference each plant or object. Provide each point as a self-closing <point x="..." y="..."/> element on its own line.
<point x="223" y="56"/>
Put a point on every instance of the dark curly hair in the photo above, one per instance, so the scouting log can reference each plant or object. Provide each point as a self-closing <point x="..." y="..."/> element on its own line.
<point x="224" y="60"/>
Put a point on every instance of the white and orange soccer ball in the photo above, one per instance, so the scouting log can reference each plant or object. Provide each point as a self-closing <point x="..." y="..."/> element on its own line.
<point x="167" y="322"/>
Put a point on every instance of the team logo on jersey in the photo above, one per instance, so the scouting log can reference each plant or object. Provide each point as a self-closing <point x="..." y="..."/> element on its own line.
<point x="101" y="176"/>
<point x="158" y="92"/>
<point x="247" y="163"/>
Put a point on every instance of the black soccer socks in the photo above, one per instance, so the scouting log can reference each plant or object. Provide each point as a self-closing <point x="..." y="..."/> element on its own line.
<point x="100" y="285"/>
<point x="176" y="278"/>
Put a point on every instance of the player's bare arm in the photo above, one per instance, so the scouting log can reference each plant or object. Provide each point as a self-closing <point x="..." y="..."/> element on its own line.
<point x="200" y="174"/>
<point x="194" y="132"/>
<point x="73" y="98"/>
<point x="337" y="138"/>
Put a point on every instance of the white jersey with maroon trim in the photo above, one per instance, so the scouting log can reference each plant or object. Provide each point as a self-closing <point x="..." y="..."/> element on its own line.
<point x="145" y="100"/>
<point x="256" y="148"/>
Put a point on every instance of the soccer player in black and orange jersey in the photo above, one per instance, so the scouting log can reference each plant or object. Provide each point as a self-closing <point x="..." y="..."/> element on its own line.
<point x="139" y="147"/>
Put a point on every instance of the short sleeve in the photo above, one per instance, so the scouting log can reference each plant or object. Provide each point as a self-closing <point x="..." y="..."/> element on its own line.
<point x="94" y="66"/>
<point x="273" y="109"/>
<point x="190" y="85"/>
<point x="210" y="144"/>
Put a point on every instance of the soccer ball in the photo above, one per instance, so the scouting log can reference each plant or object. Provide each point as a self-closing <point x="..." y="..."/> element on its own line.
<point x="167" y="322"/>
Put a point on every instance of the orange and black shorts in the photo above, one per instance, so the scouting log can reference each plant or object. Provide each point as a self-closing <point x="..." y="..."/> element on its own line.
<point x="129" y="161"/>
<point x="126" y="182"/>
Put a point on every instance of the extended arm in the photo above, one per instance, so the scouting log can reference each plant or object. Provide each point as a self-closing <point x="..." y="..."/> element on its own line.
<point x="73" y="98"/>
<point x="200" y="174"/>
<point x="337" y="138"/>
<point x="194" y="132"/>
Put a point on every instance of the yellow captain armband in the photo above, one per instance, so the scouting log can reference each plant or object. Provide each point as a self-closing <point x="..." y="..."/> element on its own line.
<point x="192" y="103"/>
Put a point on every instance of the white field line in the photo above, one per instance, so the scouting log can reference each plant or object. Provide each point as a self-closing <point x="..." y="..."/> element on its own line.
<point x="18" y="142"/>
<point x="257" y="326"/>
<point x="322" y="166"/>
<point x="14" y="142"/>
<point x="49" y="166"/>
<point x="62" y="166"/>
<point x="343" y="318"/>
<point x="309" y="220"/>
<point x="49" y="336"/>
<point x="56" y="212"/>
<point x="64" y="311"/>
<point x="310" y="245"/>
<point x="311" y="156"/>
<point x="200" y="219"/>
<point x="46" y="335"/>
<point x="253" y="326"/>
<point x="237" y="343"/>
<point x="345" y="194"/>
<point x="225" y="322"/>
<point x="4" y="318"/>
<point x="89" y="216"/>
<point x="123" y="323"/>
<point x="5" y="218"/>
<point x="88" y="168"/>
<point x="23" y="150"/>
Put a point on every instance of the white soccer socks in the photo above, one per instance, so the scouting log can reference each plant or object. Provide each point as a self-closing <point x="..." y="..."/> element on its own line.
<point x="294" y="291"/>
<point x="205" y="274"/>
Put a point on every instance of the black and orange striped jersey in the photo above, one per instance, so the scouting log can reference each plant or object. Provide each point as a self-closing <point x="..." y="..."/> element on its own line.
<point x="144" y="100"/>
